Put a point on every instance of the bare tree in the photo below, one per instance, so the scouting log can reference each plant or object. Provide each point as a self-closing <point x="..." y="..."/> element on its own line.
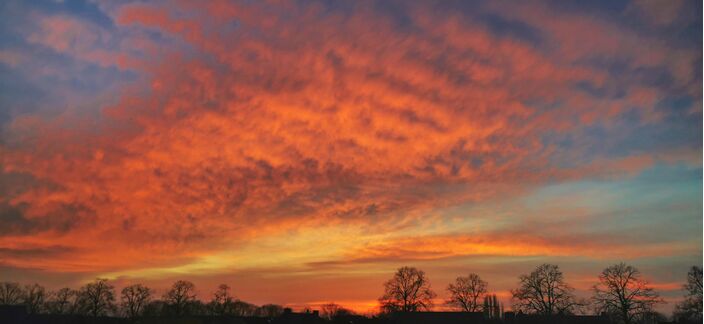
<point x="624" y="294"/>
<point x="61" y="301"/>
<point x="222" y="302"/>
<point x="467" y="292"/>
<point x="694" y="283"/>
<point x="97" y="298"/>
<point x="181" y="294"/>
<point x="544" y="292"/>
<point x="33" y="297"/>
<point x="408" y="291"/>
<point x="691" y="307"/>
<point x="134" y="299"/>
<point x="331" y="311"/>
<point x="10" y="293"/>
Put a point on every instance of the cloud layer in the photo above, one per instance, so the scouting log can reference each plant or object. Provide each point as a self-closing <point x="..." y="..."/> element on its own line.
<point x="147" y="141"/>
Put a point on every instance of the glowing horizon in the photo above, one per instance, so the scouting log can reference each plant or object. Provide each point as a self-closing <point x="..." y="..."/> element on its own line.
<point x="302" y="151"/>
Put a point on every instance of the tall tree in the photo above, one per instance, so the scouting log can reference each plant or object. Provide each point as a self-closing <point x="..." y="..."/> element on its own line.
<point x="545" y="292"/>
<point x="10" y="293"/>
<point x="624" y="294"/>
<point x="61" y="301"/>
<point x="466" y="293"/>
<point x="491" y="307"/>
<point x="408" y="291"/>
<point x="33" y="297"/>
<point x="222" y="302"/>
<point x="134" y="300"/>
<point x="497" y="307"/>
<point x="691" y="307"/>
<point x="181" y="294"/>
<point x="97" y="298"/>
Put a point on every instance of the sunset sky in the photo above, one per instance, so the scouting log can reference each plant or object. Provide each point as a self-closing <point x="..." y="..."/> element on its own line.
<point x="302" y="151"/>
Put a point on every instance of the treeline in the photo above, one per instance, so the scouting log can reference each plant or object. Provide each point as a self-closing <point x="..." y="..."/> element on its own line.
<point x="99" y="298"/>
<point x="620" y="292"/>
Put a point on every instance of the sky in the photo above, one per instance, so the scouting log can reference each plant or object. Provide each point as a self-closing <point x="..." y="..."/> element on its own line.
<point x="302" y="151"/>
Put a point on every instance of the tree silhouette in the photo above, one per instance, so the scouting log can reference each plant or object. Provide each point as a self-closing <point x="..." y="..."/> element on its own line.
<point x="492" y="308"/>
<point x="269" y="310"/>
<point x="61" y="301"/>
<point x="241" y="308"/>
<point x="181" y="294"/>
<point x="624" y="294"/>
<point x="33" y="297"/>
<point x="331" y="311"/>
<point x="691" y="307"/>
<point x="97" y="298"/>
<point x="155" y="308"/>
<point x="466" y="293"/>
<point x="544" y="292"/>
<point x="408" y="291"/>
<point x="134" y="300"/>
<point x="197" y="307"/>
<point x="222" y="302"/>
<point x="10" y="293"/>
